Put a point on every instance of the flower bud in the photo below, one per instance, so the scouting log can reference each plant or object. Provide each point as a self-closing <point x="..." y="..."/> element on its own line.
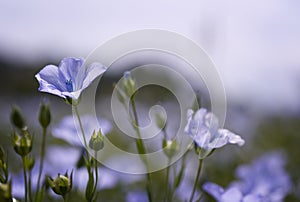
<point x="96" y="142"/>
<point x="160" y="121"/>
<point x="5" y="192"/>
<point x="29" y="162"/>
<point x="17" y="118"/>
<point x="22" y="143"/>
<point x="171" y="147"/>
<point x="62" y="184"/>
<point x="45" y="115"/>
<point x="120" y="94"/>
<point x="129" y="84"/>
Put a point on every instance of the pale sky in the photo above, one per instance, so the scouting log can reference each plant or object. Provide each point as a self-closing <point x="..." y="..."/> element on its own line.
<point x="255" y="44"/>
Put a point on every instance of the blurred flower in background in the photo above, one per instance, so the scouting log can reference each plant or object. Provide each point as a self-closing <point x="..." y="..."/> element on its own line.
<point x="264" y="180"/>
<point x="67" y="130"/>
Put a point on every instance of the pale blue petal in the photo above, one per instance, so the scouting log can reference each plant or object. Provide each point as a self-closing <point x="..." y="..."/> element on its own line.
<point x="189" y="113"/>
<point x="212" y="122"/>
<point x="218" y="141"/>
<point x="232" y="138"/>
<point x="202" y="138"/>
<point x="95" y="70"/>
<point x="75" y="95"/>
<point x="200" y="115"/>
<point x="68" y="69"/>
<point x="232" y="195"/>
<point x="214" y="190"/>
<point x="253" y="198"/>
<point x="49" y="80"/>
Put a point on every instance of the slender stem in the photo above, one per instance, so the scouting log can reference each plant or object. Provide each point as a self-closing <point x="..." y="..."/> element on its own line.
<point x="65" y="198"/>
<point x="167" y="179"/>
<point x="29" y="186"/>
<point x="25" y="178"/>
<point x="96" y="175"/>
<point x="43" y="150"/>
<point x="81" y="127"/>
<point x="89" y="160"/>
<point x="141" y="147"/>
<point x="83" y="134"/>
<point x="197" y="179"/>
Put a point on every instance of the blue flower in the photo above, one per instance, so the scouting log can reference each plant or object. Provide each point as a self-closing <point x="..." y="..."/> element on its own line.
<point x="265" y="177"/>
<point x="265" y="180"/>
<point x="232" y="194"/>
<point x="203" y="127"/>
<point x="66" y="129"/>
<point x="69" y="79"/>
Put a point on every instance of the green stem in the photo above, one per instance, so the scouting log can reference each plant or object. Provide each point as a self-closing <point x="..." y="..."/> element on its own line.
<point x="89" y="160"/>
<point x="25" y="178"/>
<point x="167" y="179"/>
<point x="43" y="150"/>
<point x="29" y="186"/>
<point x="141" y="147"/>
<point x="65" y="198"/>
<point x="81" y="128"/>
<point x="197" y="179"/>
<point x="96" y="173"/>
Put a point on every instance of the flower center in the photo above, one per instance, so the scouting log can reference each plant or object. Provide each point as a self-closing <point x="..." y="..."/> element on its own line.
<point x="69" y="85"/>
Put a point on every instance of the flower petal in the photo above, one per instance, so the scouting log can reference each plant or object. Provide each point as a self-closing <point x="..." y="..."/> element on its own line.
<point x="218" y="141"/>
<point x="212" y="122"/>
<point x="74" y="95"/>
<point x="232" y="195"/>
<point x="200" y="114"/>
<point x="49" y="81"/>
<point x="95" y="70"/>
<point x="69" y="68"/>
<point x="232" y="138"/>
<point x="214" y="190"/>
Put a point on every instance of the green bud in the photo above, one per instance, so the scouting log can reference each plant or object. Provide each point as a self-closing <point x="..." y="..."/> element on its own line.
<point x="29" y="162"/>
<point x="171" y="147"/>
<point x="120" y="94"/>
<point x="17" y="118"/>
<point x="45" y="115"/>
<point x="5" y="192"/>
<point x="96" y="142"/>
<point x="22" y="143"/>
<point x="160" y="121"/>
<point x="62" y="184"/>
<point x="129" y="84"/>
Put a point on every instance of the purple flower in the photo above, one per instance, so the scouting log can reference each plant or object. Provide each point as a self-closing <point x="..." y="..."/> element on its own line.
<point x="203" y="127"/>
<point x="265" y="180"/>
<point x="69" y="79"/>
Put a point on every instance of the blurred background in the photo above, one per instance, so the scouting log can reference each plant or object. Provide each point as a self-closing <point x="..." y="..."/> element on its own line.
<point x="254" y="44"/>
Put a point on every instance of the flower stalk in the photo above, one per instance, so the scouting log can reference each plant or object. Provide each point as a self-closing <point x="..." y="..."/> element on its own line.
<point x="196" y="180"/>
<point x="25" y="178"/>
<point x="141" y="147"/>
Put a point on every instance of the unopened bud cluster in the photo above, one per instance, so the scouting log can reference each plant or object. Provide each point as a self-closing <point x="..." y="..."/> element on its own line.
<point x="62" y="184"/>
<point x="96" y="142"/>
